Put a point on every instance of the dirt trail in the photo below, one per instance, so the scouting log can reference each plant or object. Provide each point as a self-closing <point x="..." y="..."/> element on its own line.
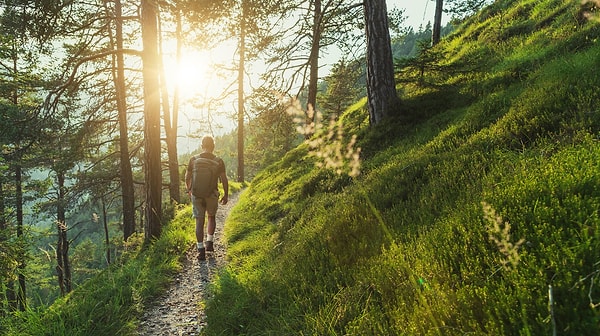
<point x="177" y="311"/>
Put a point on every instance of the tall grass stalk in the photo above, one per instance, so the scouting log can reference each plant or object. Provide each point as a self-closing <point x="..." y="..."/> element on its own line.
<point x="327" y="145"/>
<point x="499" y="233"/>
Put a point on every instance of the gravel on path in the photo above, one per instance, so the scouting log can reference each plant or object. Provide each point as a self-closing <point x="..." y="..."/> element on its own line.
<point x="179" y="310"/>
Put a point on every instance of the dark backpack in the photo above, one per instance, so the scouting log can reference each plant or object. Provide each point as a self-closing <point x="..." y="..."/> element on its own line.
<point x="205" y="176"/>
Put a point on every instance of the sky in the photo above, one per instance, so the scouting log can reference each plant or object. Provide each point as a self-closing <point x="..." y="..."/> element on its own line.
<point x="417" y="11"/>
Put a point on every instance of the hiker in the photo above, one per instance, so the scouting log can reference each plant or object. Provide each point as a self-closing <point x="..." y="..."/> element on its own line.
<point x="201" y="179"/>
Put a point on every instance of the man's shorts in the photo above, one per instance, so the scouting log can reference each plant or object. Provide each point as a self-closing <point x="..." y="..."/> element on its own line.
<point x="207" y="204"/>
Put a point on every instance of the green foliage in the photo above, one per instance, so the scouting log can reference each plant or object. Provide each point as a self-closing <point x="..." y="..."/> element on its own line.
<point x="427" y="60"/>
<point x="268" y="134"/>
<point x="341" y="91"/>
<point x="110" y="302"/>
<point x="406" y="248"/>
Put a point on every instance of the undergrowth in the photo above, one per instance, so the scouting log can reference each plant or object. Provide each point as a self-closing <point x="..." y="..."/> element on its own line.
<point x="111" y="302"/>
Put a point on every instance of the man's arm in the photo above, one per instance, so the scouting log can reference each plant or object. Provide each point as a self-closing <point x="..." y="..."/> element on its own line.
<point x="225" y="183"/>
<point x="188" y="176"/>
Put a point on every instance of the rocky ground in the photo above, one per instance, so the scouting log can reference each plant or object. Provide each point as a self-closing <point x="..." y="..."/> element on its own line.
<point x="179" y="310"/>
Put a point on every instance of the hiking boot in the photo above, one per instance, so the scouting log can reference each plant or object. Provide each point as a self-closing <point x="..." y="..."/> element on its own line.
<point x="209" y="246"/>
<point x="201" y="254"/>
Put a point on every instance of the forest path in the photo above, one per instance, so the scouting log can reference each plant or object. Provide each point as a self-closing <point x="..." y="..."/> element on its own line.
<point x="178" y="311"/>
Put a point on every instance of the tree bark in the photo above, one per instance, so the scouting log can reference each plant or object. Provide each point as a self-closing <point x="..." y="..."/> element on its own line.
<point x="21" y="290"/>
<point x="152" y="149"/>
<point x="62" y="249"/>
<point x="381" y="87"/>
<point x="314" y="60"/>
<point x="437" y="22"/>
<point x="241" y="70"/>
<point x="106" y="236"/>
<point x="126" y="176"/>
<point x="170" y="121"/>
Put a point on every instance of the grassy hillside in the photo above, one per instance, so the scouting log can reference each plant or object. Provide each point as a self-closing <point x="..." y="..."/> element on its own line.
<point x="476" y="212"/>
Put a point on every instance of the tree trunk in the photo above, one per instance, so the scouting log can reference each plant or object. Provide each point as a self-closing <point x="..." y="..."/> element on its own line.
<point x="313" y="80"/>
<point x="127" y="190"/>
<point x="21" y="290"/>
<point x="62" y="249"/>
<point x="381" y="87"/>
<point x="106" y="236"/>
<point x="9" y="292"/>
<point x="170" y="126"/>
<point x="171" y="122"/>
<point x="241" y="70"/>
<point x="437" y="22"/>
<point x="152" y="150"/>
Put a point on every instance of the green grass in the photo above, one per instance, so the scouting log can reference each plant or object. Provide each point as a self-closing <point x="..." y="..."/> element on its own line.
<point x="111" y="302"/>
<point x="405" y="248"/>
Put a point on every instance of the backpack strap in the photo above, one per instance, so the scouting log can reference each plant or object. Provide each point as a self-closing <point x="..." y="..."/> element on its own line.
<point x="208" y="156"/>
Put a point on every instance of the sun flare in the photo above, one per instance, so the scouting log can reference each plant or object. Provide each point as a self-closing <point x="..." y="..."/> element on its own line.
<point x="189" y="75"/>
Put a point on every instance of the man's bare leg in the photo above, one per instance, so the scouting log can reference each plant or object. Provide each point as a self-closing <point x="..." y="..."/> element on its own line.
<point x="200" y="229"/>
<point x="200" y="237"/>
<point x="210" y="232"/>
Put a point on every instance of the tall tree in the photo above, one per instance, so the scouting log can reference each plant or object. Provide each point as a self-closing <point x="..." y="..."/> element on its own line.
<point x="437" y="22"/>
<point x="94" y="71"/>
<point x="297" y="60"/>
<point x="25" y="29"/>
<point x="313" y="58"/>
<point x="171" y="115"/>
<point x="11" y="19"/>
<point x="152" y="148"/>
<point x="63" y="268"/>
<point x="241" y="98"/>
<point x="254" y="35"/>
<point x="381" y="87"/>
<point x="250" y="22"/>
<point x="118" y="75"/>
<point x="69" y="150"/>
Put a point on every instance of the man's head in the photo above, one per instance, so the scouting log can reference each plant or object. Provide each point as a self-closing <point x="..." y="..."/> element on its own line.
<point x="208" y="143"/>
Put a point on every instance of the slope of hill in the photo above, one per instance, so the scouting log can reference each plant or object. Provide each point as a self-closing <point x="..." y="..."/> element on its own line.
<point x="477" y="210"/>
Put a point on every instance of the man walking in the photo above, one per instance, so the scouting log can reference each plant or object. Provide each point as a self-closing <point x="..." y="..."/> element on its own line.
<point x="197" y="177"/>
